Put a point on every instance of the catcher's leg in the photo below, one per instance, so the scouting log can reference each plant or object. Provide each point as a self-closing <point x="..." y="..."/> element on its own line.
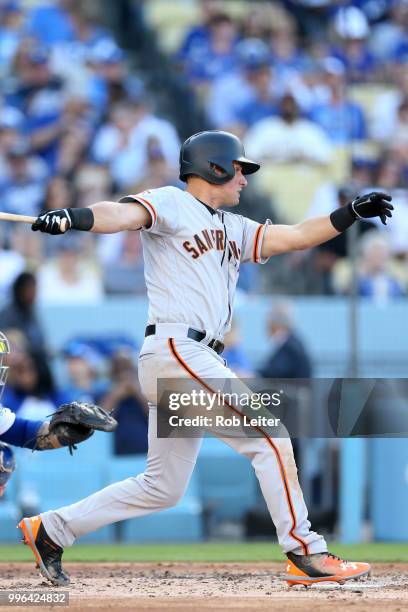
<point x="170" y="464"/>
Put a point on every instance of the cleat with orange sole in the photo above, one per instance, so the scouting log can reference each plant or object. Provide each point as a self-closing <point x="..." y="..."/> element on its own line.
<point x="46" y="552"/>
<point x="306" y="570"/>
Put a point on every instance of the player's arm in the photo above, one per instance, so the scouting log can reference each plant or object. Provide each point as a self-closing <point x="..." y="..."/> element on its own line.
<point x="32" y="434"/>
<point x="101" y="218"/>
<point x="315" y="231"/>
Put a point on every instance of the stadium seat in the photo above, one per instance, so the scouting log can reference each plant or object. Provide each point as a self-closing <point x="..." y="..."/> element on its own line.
<point x="46" y="481"/>
<point x="179" y="523"/>
<point x="63" y="481"/>
<point x="227" y="481"/>
<point x="292" y="186"/>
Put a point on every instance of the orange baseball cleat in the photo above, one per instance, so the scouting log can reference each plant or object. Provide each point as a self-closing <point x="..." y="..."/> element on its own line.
<point x="322" y="567"/>
<point x="46" y="552"/>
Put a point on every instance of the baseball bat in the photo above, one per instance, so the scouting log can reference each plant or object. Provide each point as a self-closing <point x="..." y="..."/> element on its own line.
<point x="16" y="218"/>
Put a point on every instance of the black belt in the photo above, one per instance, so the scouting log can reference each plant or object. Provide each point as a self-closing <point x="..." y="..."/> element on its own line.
<point x="194" y="334"/>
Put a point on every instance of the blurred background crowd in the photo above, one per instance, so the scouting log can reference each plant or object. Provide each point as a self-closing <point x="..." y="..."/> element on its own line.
<point x="95" y="99"/>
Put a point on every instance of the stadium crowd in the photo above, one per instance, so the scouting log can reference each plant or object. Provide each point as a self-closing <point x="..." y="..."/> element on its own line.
<point x="317" y="90"/>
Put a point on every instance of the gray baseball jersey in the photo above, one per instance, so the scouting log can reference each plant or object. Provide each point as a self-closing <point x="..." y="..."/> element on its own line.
<point x="192" y="258"/>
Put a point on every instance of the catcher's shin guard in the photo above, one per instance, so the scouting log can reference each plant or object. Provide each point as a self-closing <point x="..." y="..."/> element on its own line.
<point x="322" y="567"/>
<point x="47" y="554"/>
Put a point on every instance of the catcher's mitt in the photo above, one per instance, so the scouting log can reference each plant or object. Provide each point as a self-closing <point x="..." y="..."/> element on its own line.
<point x="75" y="422"/>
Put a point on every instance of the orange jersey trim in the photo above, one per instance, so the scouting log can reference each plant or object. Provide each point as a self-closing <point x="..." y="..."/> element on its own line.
<point x="275" y="449"/>
<point x="256" y="245"/>
<point x="149" y="207"/>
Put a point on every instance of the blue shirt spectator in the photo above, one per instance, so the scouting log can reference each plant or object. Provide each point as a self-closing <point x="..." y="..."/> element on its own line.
<point x="50" y="23"/>
<point x="342" y="119"/>
<point x="213" y="56"/>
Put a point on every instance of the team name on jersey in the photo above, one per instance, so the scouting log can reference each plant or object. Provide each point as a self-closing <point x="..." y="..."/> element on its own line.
<point x="208" y="240"/>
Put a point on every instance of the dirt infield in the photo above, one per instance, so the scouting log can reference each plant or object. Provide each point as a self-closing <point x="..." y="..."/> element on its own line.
<point x="209" y="586"/>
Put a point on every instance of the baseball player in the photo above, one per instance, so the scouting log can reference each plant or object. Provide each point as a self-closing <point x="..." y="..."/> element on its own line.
<point x="70" y="424"/>
<point x="193" y="249"/>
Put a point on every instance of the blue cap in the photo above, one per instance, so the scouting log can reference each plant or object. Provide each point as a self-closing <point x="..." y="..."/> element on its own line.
<point x="253" y="54"/>
<point x="81" y="350"/>
<point x="106" y="51"/>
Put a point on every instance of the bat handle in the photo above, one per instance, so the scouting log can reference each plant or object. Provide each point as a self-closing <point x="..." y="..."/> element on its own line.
<point x="16" y="218"/>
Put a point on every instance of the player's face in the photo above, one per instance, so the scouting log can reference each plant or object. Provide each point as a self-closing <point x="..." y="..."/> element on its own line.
<point x="231" y="191"/>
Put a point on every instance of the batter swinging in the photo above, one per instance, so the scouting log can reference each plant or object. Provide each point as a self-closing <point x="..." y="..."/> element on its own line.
<point x="193" y="251"/>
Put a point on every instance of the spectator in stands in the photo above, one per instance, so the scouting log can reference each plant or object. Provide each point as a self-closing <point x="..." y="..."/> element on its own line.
<point x="215" y="56"/>
<point x="12" y="263"/>
<point x="287" y="56"/>
<point x="11" y="31"/>
<point x="388" y="41"/>
<point x="21" y="314"/>
<point x="326" y="255"/>
<point x="122" y="263"/>
<point x="232" y="92"/>
<point x="128" y="405"/>
<point x="40" y="95"/>
<point x="58" y="194"/>
<point x="352" y="29"/>
<point x="11" y="126"/>
<point x="384" y="115"/>
<point x="30" y="389"/>
<point x="92" y="184"/>
<point x="341" y="119"/>
<point x="111" y="82"/>
<point x="86" y="33"/>
<point x="398" y="143"/>
<point x="312" y="16"/>
<point x="262" y="103"/>
<point x="198" y="35"/>
<point x="289" y="357"/>
<point x="123" y="142"/>
<point x="235" y="353"/>
<point x="391" y="176"/>
<point x="23" y="186"/>
<point x="51" y="22"/>
<point x="83" y="365"/>
<point x="288" y="138"/>
<point x="78" y="129"/>
<point x="72" y="276"/>
<point x="376" y="278"/>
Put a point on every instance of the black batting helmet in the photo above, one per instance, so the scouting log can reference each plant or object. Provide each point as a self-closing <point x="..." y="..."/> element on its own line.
<point x="199" y="152"/>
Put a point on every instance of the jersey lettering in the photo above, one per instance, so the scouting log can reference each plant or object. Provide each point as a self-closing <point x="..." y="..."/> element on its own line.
<point x="201" y="246"/>
<point x="208" y="240"/>
<point x="190" y="249"/>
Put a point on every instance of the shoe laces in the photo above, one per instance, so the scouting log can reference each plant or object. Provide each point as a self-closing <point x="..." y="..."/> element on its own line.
<point x="334" y="557"/>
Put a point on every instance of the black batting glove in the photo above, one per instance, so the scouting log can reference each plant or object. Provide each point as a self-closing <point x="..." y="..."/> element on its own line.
<point x="51" y="222"/>
<point x="374" y="204"/>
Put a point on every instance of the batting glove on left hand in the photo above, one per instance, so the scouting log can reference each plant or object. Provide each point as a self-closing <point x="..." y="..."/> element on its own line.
<point x="374" y="204"/>
<point x="53" y="222"/>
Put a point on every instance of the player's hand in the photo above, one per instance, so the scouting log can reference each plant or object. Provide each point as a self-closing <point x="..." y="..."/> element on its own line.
<point x="53" y="222"/>
<point x="374" y="204"/>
